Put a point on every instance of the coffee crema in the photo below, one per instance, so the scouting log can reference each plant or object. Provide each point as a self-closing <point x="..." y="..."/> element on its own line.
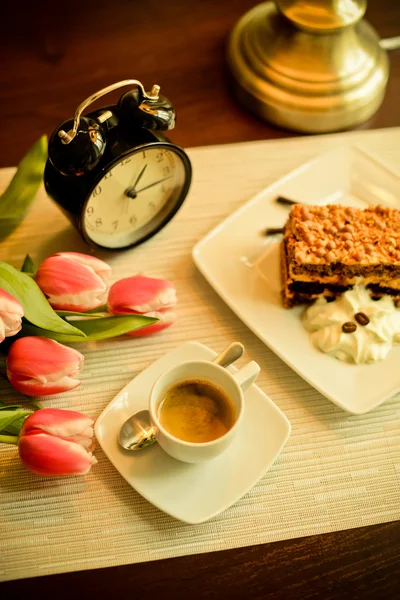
<point x="195" y="410"/>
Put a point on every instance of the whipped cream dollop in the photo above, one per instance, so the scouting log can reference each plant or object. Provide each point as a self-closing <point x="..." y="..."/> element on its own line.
<point x="354" y="328"/>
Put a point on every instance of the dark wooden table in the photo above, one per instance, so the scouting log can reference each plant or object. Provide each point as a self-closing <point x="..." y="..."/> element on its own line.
<point x="54" y="54"/>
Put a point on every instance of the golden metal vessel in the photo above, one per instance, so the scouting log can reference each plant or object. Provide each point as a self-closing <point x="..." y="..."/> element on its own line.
<point x="308" y="65"/>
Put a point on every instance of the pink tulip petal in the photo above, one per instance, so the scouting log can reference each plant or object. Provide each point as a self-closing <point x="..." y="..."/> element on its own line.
<point x="44" y="454"/>
<point x="79" y="302"/>
<point x="12" y="328"/>
<point x="73" y="281"/>
<point x="9" y="304"/>
<point x="59" y="276"/>
<point x="11" y="313"/>
<point x="33" y="388"/>
<point x="89" y="432"/>
<point x="65" y="423"/>
<point x="167" y="317"/>
<point x="141" y="294"/>
<point x="99" y="266"/>
<point x="39" y="366"/>
<point x="34" y="356"/>
<point x="87" y="443"/>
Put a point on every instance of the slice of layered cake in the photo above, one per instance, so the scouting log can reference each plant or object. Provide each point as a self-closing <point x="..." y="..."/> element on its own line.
<point x="327" y="249"/>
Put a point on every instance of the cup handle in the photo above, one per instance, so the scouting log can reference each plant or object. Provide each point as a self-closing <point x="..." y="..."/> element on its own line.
<point x="247" y="375"/>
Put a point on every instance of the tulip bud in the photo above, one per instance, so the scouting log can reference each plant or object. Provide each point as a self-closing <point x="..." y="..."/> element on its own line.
<point x="37" y="366"/>
<point x="146" y="296"/>
<point x="57" y="442"/>
<point x="11" y="313"/>
<point x="73" y="281"/>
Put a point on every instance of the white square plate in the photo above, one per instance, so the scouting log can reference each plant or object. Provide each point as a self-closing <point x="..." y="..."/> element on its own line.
<point x="193" y="493"/>
<point x="242" y="265"/>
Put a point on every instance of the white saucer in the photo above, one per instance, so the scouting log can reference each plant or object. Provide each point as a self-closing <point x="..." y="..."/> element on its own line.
<point x="243" y="266"/>
<point x="193" y="493"/>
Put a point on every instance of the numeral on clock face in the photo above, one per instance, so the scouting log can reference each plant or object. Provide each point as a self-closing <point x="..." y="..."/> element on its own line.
<point x="132" y="195"/>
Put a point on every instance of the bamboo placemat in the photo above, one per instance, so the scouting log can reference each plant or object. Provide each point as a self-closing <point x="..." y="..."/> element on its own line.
<point x="337" y="471"/>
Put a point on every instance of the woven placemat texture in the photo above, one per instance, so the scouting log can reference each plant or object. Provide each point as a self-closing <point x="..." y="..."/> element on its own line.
<point x="337" y="471"/>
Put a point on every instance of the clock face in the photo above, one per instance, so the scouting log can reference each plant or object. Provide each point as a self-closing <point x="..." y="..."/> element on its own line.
<point x="135" y="197"/>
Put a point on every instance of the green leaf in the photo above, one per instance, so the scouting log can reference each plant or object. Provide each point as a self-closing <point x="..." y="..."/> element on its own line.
<point x="83" y="315"/>
<point x="37" y="310"/>
<point x="25" y="184"/>
<point x="28" y="266"/>
<point x="14" y="427"/>
<point x="95" y="329"/>
<point x="8" y="418"/>
<point x="7" y="226"/>
<point x="99" y="309"/>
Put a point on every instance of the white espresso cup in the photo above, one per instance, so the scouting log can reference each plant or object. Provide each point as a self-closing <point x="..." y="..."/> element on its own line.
<point x="233" y="385"/>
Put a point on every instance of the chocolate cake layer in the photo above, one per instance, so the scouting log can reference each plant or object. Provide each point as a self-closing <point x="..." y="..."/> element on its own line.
<point x="312" y="289"/>
<point x="328" y="249"/>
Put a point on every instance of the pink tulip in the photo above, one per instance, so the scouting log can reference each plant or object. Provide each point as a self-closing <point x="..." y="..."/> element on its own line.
<point x="146" y="296"/>
<point x="11" y="313"/>
<point x="73" y="281"/>
<point x="37" y="366"/>
<point x="57" y="442"/>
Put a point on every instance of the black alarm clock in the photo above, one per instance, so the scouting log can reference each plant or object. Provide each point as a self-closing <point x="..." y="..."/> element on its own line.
<point x="113" y="173"/>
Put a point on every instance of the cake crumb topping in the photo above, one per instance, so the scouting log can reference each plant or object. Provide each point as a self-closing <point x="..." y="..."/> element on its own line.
<point x="335" y="233"/>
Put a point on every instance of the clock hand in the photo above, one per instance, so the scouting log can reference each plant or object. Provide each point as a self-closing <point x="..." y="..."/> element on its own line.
<point x="131" y="190"/>
<point x="151" y="185"/>
<point x="139" y="177"/>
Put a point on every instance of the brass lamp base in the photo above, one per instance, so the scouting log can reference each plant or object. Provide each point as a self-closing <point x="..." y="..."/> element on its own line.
<point x="314" y="71"/>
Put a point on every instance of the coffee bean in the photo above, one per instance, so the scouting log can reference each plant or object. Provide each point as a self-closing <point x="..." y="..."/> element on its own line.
<point x="349" y="327"/>
<point x="361" y="318"/>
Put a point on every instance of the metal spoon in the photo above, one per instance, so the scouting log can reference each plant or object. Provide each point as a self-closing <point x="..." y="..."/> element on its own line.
<point x="137" y="432"/>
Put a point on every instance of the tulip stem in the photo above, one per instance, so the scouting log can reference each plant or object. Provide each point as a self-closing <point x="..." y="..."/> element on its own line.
<point x="9" y="439"/>
<point x="34" y="402"/>
<point x="37" y="404"/>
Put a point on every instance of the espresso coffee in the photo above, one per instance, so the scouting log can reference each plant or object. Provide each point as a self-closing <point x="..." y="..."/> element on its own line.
<point x="196" y="411"/>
